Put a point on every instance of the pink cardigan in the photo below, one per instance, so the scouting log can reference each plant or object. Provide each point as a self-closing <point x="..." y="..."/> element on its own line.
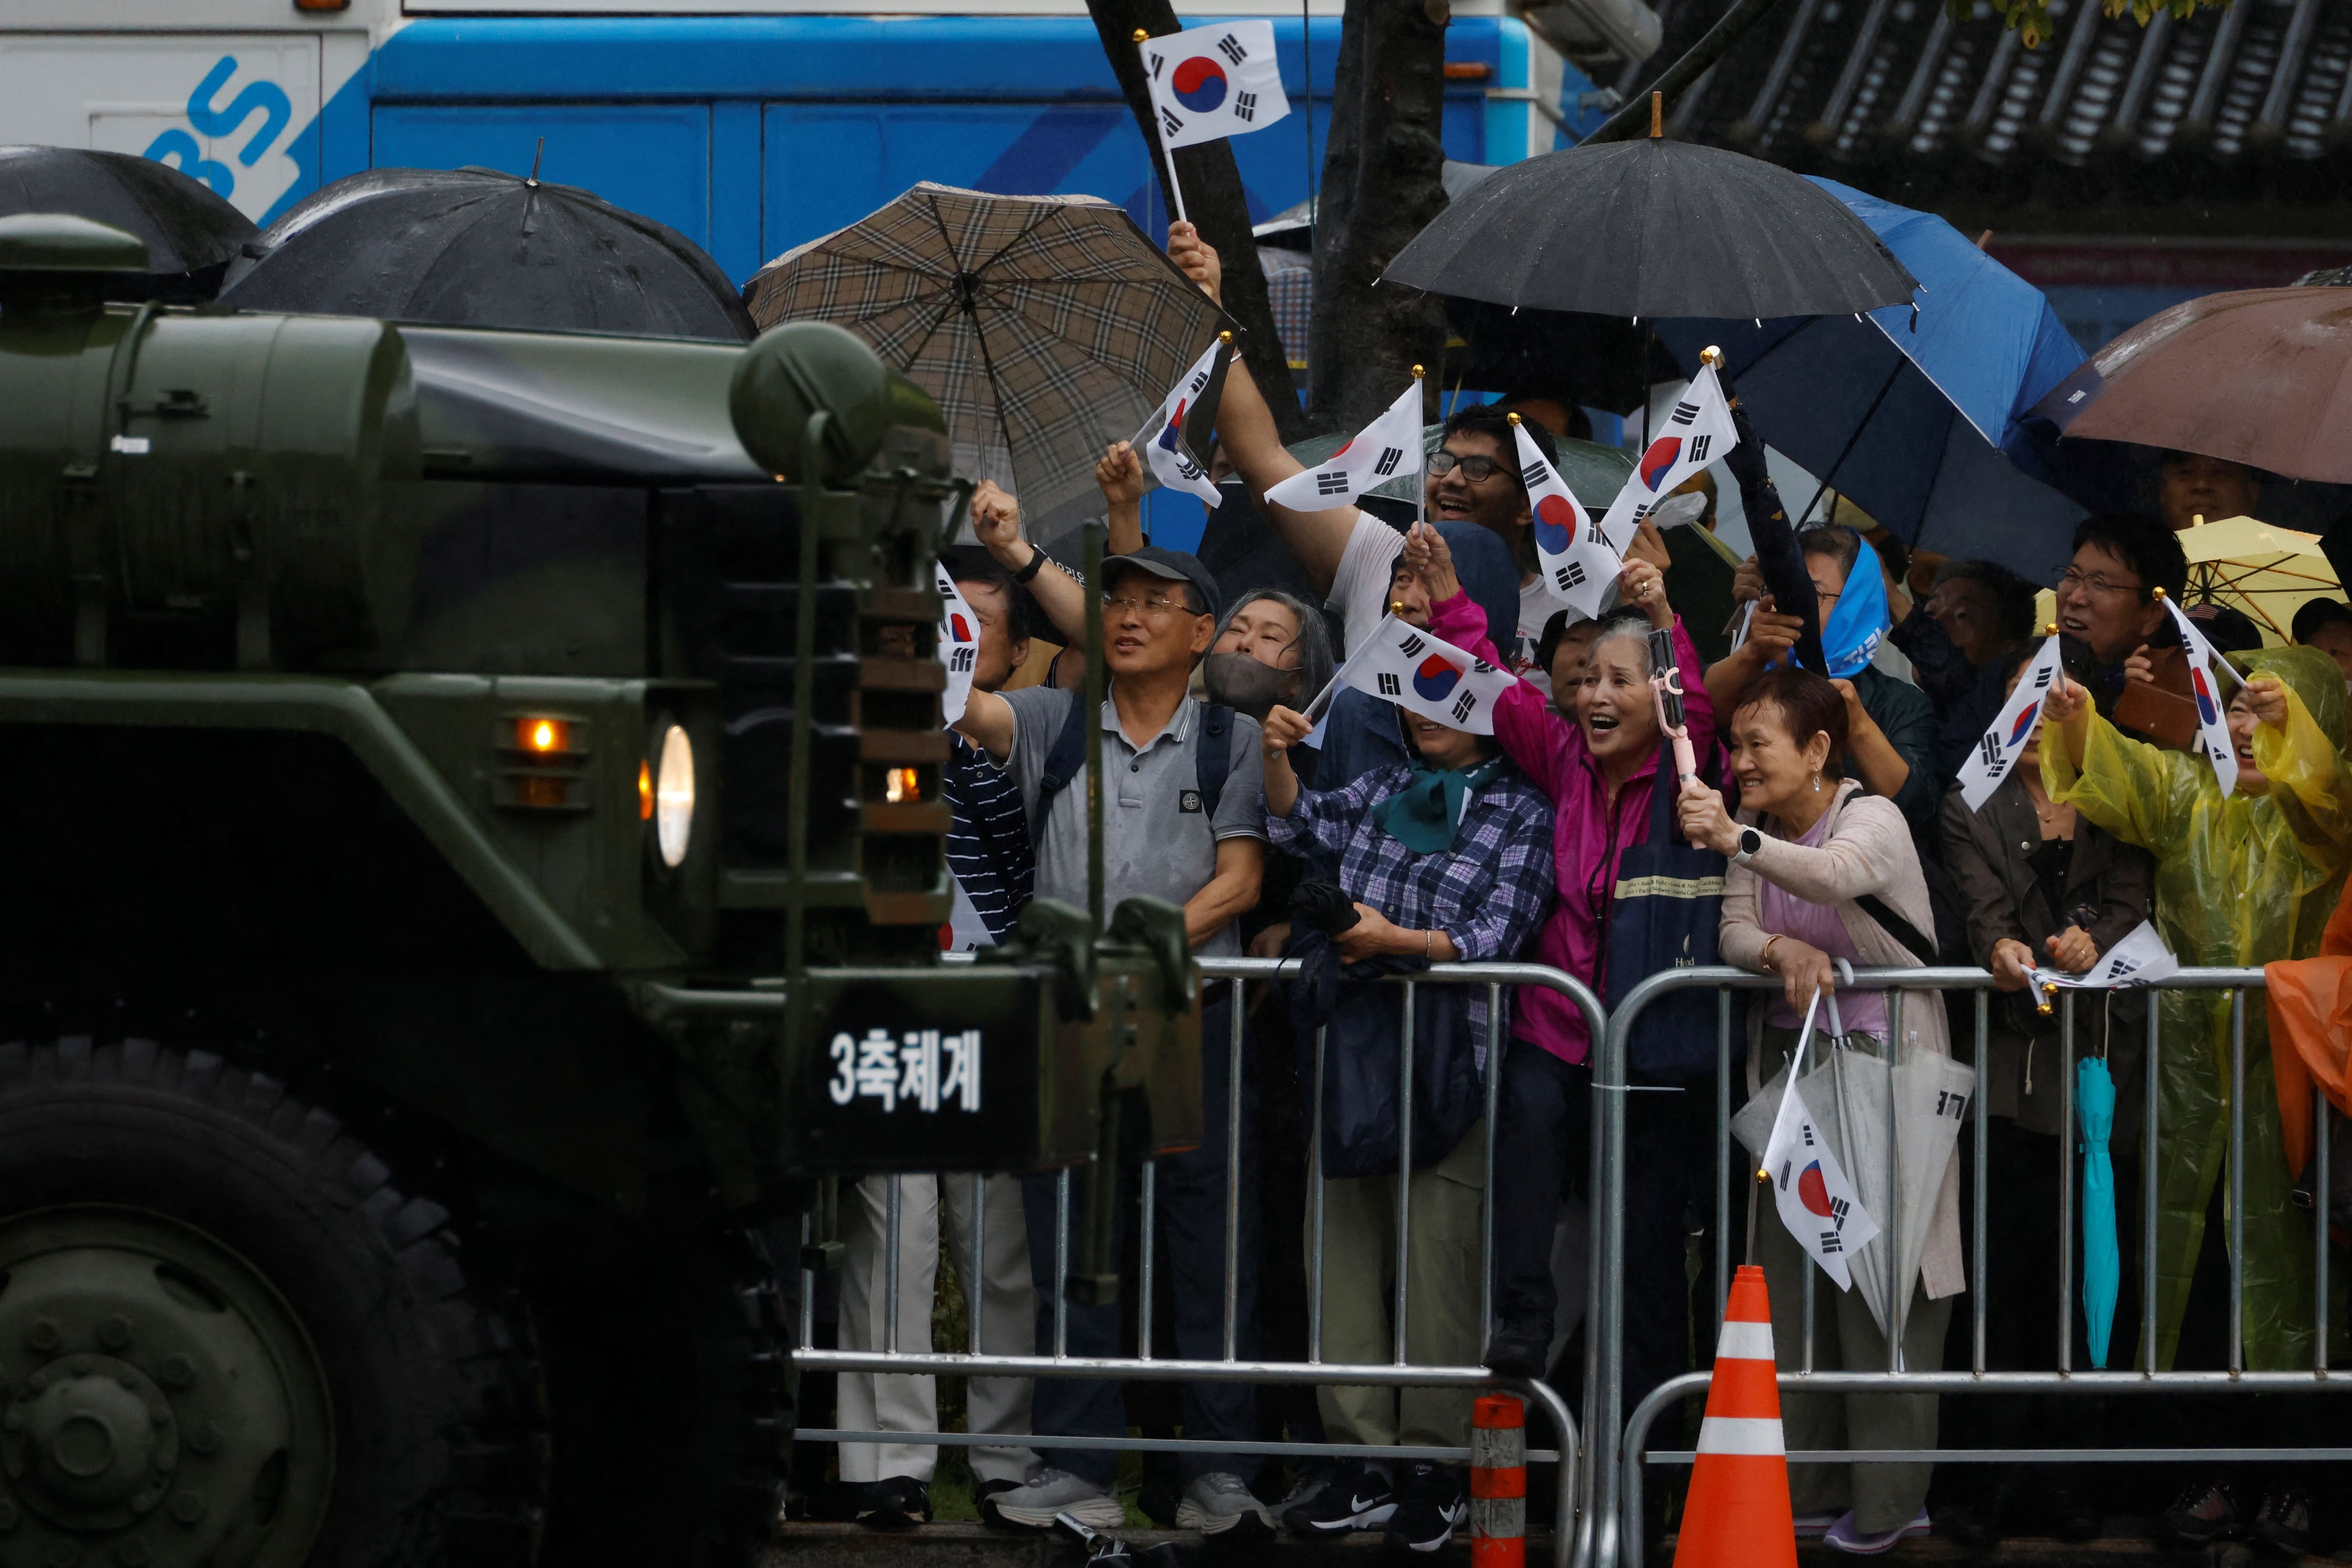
<point x="1588" y="837"/>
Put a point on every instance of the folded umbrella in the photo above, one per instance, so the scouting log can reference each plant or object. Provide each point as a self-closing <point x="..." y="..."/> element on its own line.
<point x="2094" y="1103"/>
<point x="1044" y="327"/>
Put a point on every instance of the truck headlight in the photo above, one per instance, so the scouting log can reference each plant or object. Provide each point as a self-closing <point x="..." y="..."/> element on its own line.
<point x="673" y="796"/>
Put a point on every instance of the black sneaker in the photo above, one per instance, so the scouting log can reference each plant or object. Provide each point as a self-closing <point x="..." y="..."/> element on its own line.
<point x="1357" y="1498"/>
<point x="1430" y="1503"/>
<point x="895" y="1502"/>
<point x="2204" y="1511"/>
<point x="1521" y="1347"/>
<point x="2284" y="1525"/>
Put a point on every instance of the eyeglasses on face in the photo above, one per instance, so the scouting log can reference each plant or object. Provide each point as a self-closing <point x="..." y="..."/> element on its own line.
<point x="1159" y="607"/>
<point x="2097" y="582"/>
<point x="1476" y="468"/>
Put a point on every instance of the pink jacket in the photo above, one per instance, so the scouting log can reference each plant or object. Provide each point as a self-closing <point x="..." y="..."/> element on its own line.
<point x="1587" y="839"/>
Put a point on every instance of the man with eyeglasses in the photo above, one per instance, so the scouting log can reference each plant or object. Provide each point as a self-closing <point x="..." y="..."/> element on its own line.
<point x="1184" y="821"/>
<point x="1348" y="554"/>
<point x="2106" y="597"/>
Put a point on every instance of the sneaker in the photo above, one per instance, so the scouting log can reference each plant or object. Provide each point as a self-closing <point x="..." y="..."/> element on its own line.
<point x="2204" y="1511"/>
<point x="1313" y="1475"/>
<point x="1521" y="1347"/>
<point x="1221" y="1504"/>
<point x="1034" y="1506"/>
<point x="1430" y="1503"/>
<point x="2284" y="1525"/>
<point x="1844" y="1537"/>
<point x="1357" y="1497"/>
<point x="1813" y="1526"/>
<point x="895" y="1502"/>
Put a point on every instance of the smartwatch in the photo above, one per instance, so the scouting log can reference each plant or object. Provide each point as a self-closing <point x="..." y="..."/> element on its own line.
<point x="1750" y="841"/>
<point x="1036" y="564"/>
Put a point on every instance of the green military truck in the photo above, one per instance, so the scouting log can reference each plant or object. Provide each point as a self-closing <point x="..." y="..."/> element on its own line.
<point x="473" y="857"/>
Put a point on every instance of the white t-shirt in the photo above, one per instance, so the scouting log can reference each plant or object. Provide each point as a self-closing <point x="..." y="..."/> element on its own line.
<point x="1359" y="592"/>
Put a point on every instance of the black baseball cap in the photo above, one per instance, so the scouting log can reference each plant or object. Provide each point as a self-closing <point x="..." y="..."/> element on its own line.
<point x="2315" y="613"/>
<point x="1172" y="564"/>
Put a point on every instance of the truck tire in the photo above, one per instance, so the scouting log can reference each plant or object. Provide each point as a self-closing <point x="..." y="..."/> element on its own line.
<point x="227" y="1338"/>
<point x="669" y="1401"/>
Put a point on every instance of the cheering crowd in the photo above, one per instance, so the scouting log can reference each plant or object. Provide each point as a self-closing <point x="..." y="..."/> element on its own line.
<point x="1775" y="819"/>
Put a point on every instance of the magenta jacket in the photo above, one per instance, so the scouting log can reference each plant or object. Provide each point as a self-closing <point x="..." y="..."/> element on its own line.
<point x="1587" y="839"/>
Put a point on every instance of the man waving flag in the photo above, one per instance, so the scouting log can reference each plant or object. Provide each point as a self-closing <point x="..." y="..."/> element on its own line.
<point x="1577" y="566"/>
<point x="1389" y="446"/>
<point x="1696" y="433"/>
<point x="1214" y="82"/>
<point x="1174" y="440"/>
<point x="1425" y="675"/>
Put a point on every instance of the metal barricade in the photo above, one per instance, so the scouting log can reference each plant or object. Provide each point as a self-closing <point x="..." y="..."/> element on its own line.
<point x="1398" y="1372"/>
<point x="1610" y="1533"/>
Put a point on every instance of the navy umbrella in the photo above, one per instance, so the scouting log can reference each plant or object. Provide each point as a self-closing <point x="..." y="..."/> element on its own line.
<point x="1907" y="412"/>
<point x="474" y="247"/>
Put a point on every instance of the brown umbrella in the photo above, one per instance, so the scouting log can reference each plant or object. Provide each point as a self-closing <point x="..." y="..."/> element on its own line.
<point x="1046" y="326"/>
<point x="2261" y="377"/>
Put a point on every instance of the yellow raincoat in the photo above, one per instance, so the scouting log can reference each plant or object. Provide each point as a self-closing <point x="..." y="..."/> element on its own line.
<point x="2240" y="882"/>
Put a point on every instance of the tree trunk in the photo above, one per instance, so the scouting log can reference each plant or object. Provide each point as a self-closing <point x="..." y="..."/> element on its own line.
<point x="1213" y="200"/>
<point x="1382" y="183"/>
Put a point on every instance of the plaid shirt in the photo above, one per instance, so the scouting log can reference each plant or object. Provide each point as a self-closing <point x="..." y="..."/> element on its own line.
<point x="1488" y="892"/>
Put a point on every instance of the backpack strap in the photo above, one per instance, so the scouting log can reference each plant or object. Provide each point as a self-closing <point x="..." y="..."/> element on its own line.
<point x="1062" y="765"/>
<point x="1213" y="758"/>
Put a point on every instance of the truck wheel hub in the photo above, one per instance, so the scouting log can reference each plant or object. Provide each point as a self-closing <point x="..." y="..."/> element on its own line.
<point x="90" y="1440"/>
<point x="152" y="1386"/>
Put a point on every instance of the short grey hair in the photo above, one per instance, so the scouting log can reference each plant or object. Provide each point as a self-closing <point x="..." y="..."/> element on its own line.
<point x="1314" y="641"/>
<point x="1625" y="626"/>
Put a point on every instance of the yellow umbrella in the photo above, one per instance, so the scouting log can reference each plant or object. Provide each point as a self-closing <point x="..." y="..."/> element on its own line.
<point x="2265" y="572"/>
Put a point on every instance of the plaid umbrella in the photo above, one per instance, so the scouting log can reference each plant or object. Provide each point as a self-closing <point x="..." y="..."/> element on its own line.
<point x="1046" y="326"/>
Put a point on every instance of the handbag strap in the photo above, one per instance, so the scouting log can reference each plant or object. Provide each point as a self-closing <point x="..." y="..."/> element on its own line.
<point x="1902" y="930"/>
<point x="1664" y="825"/>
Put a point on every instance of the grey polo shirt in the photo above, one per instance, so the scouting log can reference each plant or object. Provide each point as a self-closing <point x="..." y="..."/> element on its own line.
<point x="1153" y="843"/>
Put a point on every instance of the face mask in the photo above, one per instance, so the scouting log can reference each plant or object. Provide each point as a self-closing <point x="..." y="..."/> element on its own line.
<point x="1246" y="686"/>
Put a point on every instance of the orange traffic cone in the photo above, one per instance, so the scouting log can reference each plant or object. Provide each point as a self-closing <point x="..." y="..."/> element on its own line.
<point x="1738" y="1512"/>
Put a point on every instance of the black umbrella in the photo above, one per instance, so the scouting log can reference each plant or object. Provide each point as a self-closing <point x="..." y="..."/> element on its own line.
<point x="191" y="234"/>
<point x="1650" y="228"/>
<point x="474" y="247"/>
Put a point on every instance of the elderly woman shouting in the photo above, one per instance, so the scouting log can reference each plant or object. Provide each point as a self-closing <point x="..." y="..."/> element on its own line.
<point x="1819" y="872"/>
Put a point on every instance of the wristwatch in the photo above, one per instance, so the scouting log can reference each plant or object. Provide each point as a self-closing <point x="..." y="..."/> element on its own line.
<point x="1036" y="564"/>
<point x="1750" y="841"/>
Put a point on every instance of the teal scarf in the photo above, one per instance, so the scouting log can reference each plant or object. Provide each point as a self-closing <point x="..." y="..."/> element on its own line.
<point x="1423" y="815"/>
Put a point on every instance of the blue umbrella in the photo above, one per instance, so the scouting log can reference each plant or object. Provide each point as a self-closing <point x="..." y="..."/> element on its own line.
<point x="2095" y="1103"/>
<point x="1908" y="413"/>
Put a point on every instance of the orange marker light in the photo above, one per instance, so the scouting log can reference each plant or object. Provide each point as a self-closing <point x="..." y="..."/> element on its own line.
<point x="902" y="785"/>
<point x="645" y="791"/>
<point x="541" y="736"/>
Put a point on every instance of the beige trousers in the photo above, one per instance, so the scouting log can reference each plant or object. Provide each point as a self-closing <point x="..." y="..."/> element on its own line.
<point x="1445" y="1207"/>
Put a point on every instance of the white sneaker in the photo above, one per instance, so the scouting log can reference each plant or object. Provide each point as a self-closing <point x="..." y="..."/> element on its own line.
<point x="1221" y="1503"/>
<point x="1813" y="1526"/>
<point x="1844" y="1537"/>
<point x="1034" y="1506"/>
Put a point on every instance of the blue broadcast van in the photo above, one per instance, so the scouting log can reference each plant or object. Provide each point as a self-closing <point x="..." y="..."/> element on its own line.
<point x="750" y="125"/>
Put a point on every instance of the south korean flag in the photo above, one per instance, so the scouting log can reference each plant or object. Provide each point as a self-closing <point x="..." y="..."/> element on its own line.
<point x="1214" y="82"/>
<point x="1577" y="566"/>
<point x="1698" y="432"/>
<point x="1162" y="438"/>
<point x="2139" y="959"/>
<point x="2212" y="718"/>
<point x="1381" y="451"/>
<point x="959" y="644"/>
<point x="1418" y="671"/>
<point x="1997" y="748"/>
<point x="1809" y="1188"/>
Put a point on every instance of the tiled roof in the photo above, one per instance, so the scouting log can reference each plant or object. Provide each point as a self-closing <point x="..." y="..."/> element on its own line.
<point x="2107" y="110"/>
